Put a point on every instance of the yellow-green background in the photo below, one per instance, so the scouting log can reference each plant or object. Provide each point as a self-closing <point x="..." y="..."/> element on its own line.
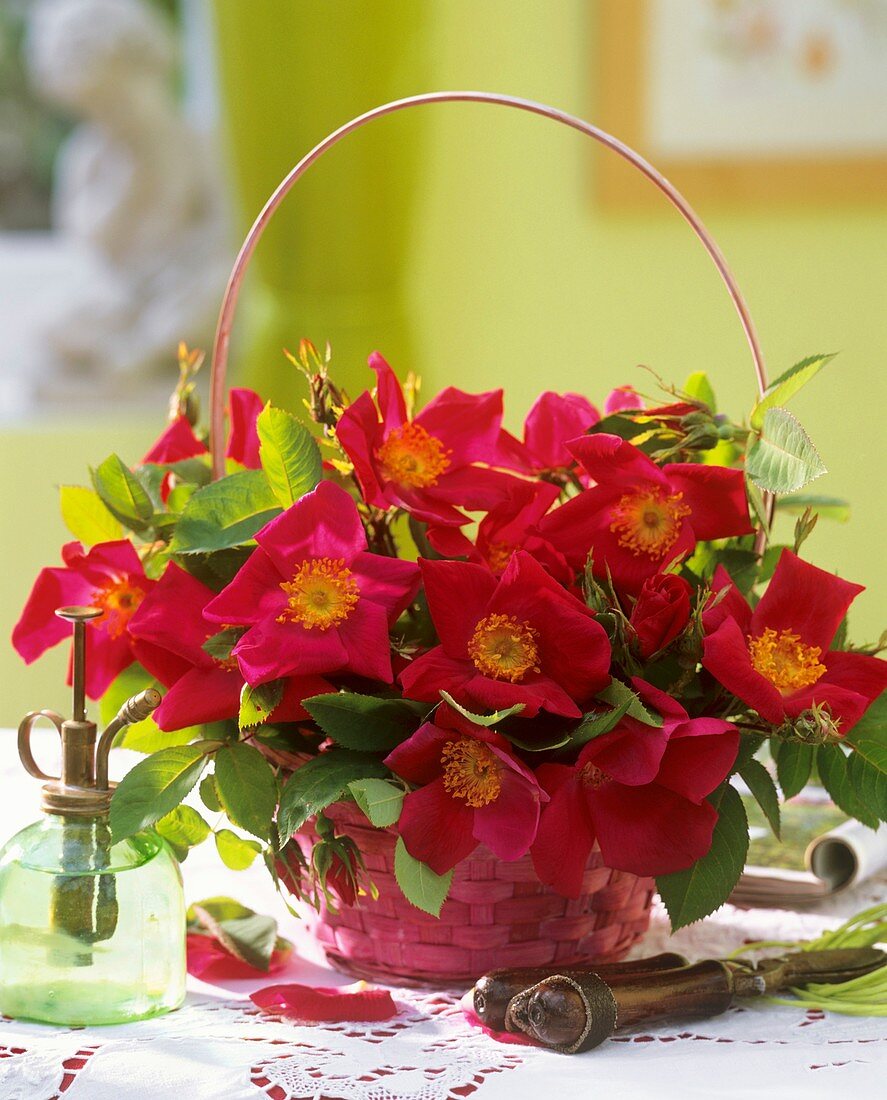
<point x="467" y="245"/>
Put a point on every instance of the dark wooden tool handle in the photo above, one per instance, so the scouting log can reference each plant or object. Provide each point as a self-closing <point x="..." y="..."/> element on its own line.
<point x="705" y="989"/>
<point x="494" y="991"/>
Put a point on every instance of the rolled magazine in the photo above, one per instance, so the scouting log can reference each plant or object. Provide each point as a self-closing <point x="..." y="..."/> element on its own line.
<point x="820" y="855"/>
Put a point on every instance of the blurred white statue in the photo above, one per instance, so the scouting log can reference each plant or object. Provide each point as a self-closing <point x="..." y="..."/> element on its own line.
<point x="133" y="189"/>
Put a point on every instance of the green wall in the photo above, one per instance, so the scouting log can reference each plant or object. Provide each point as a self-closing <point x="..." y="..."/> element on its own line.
<point x="496" y="266"/>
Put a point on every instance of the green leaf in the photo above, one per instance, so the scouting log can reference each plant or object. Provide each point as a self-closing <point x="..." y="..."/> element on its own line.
<point x="380" y="800"/>
<point x="236" y="852"/>
<point x="596" y="724"/>
<point x="86" y="516"/>
<point x="692" y="894"/>
<point x="247" y="788"/>
<point x="869" y="736"/>
<point x="123" y="493"/>
<point x="783" y="459"/>
<point x="418" y="883"/>
<point x="618" y="693"/>
<point x="832" y="766"/>
<point x="182" y="828"/>
<point x="225" y="514"/>
<point x="289" y="455"/>
<point x="219" y="646"/>
<point x="756" y="500"/>
<point x="145" y="736"/>
<point x="869" y="783"/>
<point x="258" y="703"/>
<point x="485" y="720"/>
<point x="365" y="722"/>
<point x="320" y="782"/>
<point x="787" y="385"/>
<point x="793" y="766"/>
<point x="698" y="387"/>
<point x="250" y="937"/>
<point x="209" y="795"/>
<point x="154" y="787"/>
<point x="203" y="914"/>
<point x="834" y="508"/>
<point x="760" y="783"/>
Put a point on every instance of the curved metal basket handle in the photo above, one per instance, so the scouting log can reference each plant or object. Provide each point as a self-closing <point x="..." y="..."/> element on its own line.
<point x="229" y="301"/>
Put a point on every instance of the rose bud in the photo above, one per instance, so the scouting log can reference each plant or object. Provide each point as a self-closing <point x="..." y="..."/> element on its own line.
<point x="661" y="612"/>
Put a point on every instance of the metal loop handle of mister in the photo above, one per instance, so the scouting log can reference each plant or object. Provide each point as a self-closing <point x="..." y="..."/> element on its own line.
<point x="232" y="291"/>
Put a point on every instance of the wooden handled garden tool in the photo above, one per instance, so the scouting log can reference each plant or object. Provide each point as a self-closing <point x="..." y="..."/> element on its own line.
<point x="577" y="1010"/>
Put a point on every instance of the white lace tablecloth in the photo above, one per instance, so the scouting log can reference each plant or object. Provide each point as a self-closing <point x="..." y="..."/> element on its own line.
<point x="219" y="1047"/>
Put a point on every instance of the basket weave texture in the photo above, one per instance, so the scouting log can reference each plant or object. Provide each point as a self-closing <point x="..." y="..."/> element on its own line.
<point x="497" y="914"/>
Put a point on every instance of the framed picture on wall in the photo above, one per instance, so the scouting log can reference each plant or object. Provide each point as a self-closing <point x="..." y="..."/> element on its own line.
<point x="748" y="100"/>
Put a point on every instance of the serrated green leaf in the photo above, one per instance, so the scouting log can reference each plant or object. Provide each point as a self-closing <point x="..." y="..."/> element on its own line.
<point x="783" y="459"/>
<point x="869" y="736"/>
<point x="420" y="885"/>
<point x="236" y="852"/>
<point x="698" y="386"/>
<point x="760" y="783"/>
<point x="225" y="514"/>
<point x="834" y="508"/>
<point x="618" y="693"/>
<point x="380" y="800"/>
<point x="869" y="783"/>
<point x="831" y="763"/>
<point x="250" y="937"/>
<point x="87" y="517"/>
<point x="793" y="766"/>
<point x="320" y="782"/>
<point x="183" y="828"/>
<point x="123" y="493"/>
<point x="258" y="703"/>
<point x="154" y="787"/>
<point x="289" y="455"/>
<point x="787" y="385"/>
<point x="596" y="724"/>
<point x="695" y="893"/>
<point x="209" y="796"/>
<point x="485" y="720"/>
<point x="247" y="788"/>
<point x="365" y="722"/>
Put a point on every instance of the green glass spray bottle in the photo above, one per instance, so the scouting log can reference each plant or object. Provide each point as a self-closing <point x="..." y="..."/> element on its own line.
<point x="91" y="932"/>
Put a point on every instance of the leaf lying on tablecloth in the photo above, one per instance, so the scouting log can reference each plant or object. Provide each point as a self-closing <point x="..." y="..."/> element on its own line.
<point x="210" y="961"/>
<point x="359" y="1003"/>
<point x="228" y="940"/>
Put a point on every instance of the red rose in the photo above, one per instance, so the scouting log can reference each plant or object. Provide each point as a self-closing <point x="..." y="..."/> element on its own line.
<point x="661" y="612"/>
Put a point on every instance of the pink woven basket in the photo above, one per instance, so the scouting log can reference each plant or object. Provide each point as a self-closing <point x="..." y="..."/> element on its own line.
<point x="498" y="914"/>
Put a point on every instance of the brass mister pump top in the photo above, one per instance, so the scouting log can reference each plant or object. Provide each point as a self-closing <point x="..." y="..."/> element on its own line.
<point x="82" y="789"/>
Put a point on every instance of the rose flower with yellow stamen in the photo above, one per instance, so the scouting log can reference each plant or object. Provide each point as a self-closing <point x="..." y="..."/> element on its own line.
<point x="777" y="658"/>
<point x="521" y="639"/>
<point x="314" y="599"/>
<point x="471" y="789"/>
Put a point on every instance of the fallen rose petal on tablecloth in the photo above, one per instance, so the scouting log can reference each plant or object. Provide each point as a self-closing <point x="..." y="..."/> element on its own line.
<point x="471" y="1017"/>
<point x="209" y="960"/>
<point x="311" y="1003"/>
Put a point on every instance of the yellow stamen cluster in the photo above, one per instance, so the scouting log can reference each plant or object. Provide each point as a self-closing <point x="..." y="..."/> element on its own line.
<point x="648" y="521"/>
<point x="592" y="776"/>
<point x="410" y="456"/>
<point x="120" y="600"/>
<point x="323" y="593"/>
<point x="504" y="648"/>
<point x="471" y="772"/>
<point x="784" y="660"/>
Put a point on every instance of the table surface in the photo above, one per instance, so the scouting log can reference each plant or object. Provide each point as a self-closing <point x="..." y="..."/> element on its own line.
<point x="218" y="1045"/>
